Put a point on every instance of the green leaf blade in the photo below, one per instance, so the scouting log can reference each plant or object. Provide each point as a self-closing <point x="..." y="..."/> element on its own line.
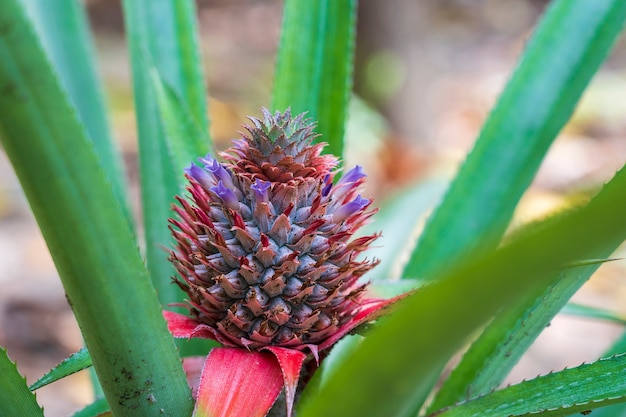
<point x="574" y="390"/>
<point x="64" y="31"/>
<point x="162" y="35"/>
<point x="15" y="397"/>
<point x="186" y="140"/>
<point x="503" y="342"/>
<point x="75" y="362"/>
<point x="589" y="312"/>
<point x="85" y="229"/>
<point x="315" y="64"/>
<point x="536" y="103"/>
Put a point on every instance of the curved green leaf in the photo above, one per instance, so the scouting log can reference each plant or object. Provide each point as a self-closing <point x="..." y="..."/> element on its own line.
<point x="565" y="51"/>
<point x="162" y="35"/>
<point x="315" y="64"/>
<point x="15" y="397"/>
<point x="574" y="390"/>
<point x="85" y="229"/>
<point x="579" y="310"/>
<point x="63" y="30"/>
<point x="412" y="345"/>
<point x="502" y="343"/>
<point x="186" y="141"/>
<point x="70" y="365"/>
<point x="618" y="410"/>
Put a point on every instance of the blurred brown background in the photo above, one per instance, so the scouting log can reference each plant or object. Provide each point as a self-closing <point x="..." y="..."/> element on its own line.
<point x="427" y="73"/>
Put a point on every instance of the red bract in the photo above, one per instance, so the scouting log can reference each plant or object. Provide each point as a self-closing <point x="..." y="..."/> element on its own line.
<point x="266" y="256"/>
<point x="236" y="382"/>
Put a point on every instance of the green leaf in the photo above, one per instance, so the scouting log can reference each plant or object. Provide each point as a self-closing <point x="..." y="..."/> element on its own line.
<point x="315" y="64"/>
<point x="589" y="312"/>
<point x="428" y="327"/>
<point x="162" y="35"/>
<point x="562" y="393"/>
<point x="186" y="141"/>
<point x="64" y="32"/>
<point x="570" y="43"/>
<point x="74" y="363"/>
<point x="95" y="409"/>
<point x="399" y="220"/>
<point x="85" y="229"/>
<point x="490" y="358"/>
<point x="618" y="410"/>
<point x="15" y="397"/>
<point x="503" y="342"/>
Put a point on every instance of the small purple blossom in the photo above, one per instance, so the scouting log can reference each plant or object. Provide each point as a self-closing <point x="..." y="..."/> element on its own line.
<point x="207" y="160"/>
<point x="201" y="176"/>
<point x="260" y="189"/>
<point x="350" y="208"/>
<point x="352" y="176"/>
<point x="328" y="181"/>
<point x="227" y="195"/>
<point x="219" y="172"/>
<point x="346" y="184"/>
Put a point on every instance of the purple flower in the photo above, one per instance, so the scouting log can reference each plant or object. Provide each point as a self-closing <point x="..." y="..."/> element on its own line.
<point x="328" y="181"/>
<point x="350" y="208"/>
<point x="227" y="195"/>
<point x="354" y="175"/>
<point x="219" y="172"/>
<point x="349" y="182"/>
<point x="204" y="178"/>
<point x="260" y="189"/>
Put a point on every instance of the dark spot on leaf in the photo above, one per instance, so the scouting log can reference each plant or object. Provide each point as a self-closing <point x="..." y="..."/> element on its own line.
<point x="128" y="375"/>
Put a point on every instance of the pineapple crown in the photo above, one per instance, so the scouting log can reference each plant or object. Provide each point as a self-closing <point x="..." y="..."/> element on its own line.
<point x="264" y="244"/>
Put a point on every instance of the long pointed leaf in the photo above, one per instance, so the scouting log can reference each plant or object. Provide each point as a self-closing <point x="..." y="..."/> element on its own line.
<point x="74" y="363"/>
<point x="186" y="141"/>
<point x="618" y="410"/>
<point x="15" y="397"/>
<point x="63" y="30"/>
<point x="412" y="345"/>
<point x="503" y="342"/>
<point x="589" y="312"/>
<point x="536" y="103"/>
<point x="162" y="34"/>
<point x="88" y="236"/>
<point x="315" y="63"/>
<point x="575" y="390"/>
